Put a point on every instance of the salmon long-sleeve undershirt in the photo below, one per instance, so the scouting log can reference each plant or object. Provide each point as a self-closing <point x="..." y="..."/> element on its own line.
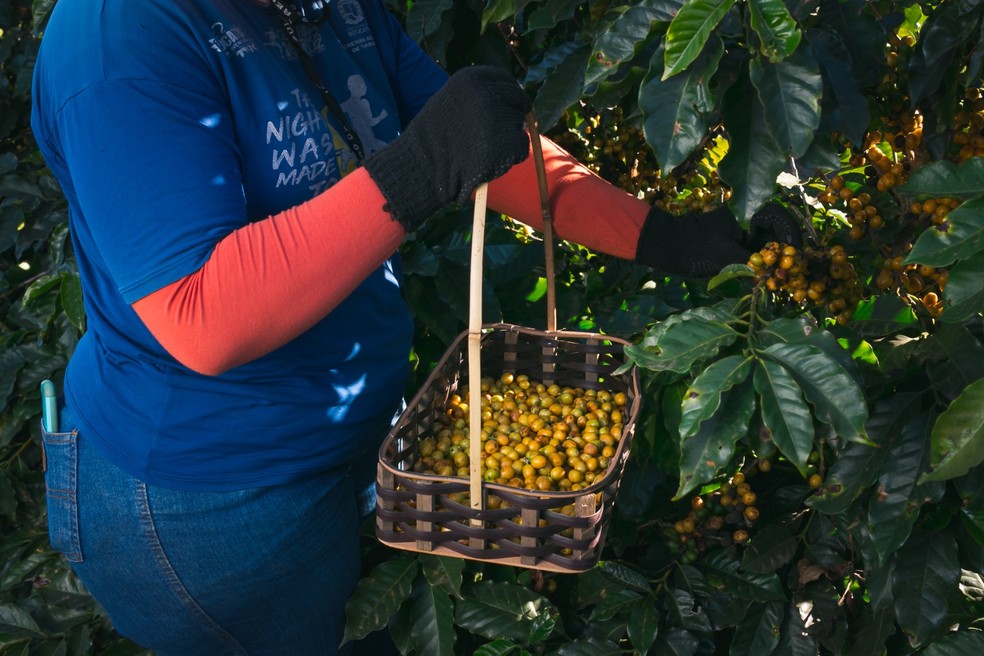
<point x="291" y="269"/>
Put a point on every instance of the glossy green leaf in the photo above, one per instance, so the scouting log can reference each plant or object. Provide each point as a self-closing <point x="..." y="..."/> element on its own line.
<point x="590" y="647"/>
<point x="847" y="105"/>
<point x="946" y="179"/>
<point x="790" y="93"/>
<point x="549" y="14"/>
<point x="884" y="314"/>
<point x="836" y="397"/>
<point x="617" y="604"/>
<point x="496" y="11"/>
<point x="954" y="359"/>
<point x="424" y="17"/>
<point x="561" y="88"/>
<point x="730" y="272"/>
<point x="643" y="627"/>
<point x="754" y="159"/>
<point x="621" y="39"/>
<point x="894" y="508"/>
<point x="958" y="436"/>
<point x="962" y="237"/>
<point x="684" y="343"/>
<point x="794" y="640"/>
<point x="378" y="596"/>
<point x="784" y="412"/>
<point x="770" y="549"/>
<point x="500" y="647"/>
<point x="703" y="397"/>
<point x="868" y="635"/>
<point x="500" y="610"/>
<point x="777" y="30"/>
<point x="858" y="465"/>
<point x="926" y="574"/>
<point x="689" y="31"/>
<point x="957" y="643"/>
<point x="443" y="572"/>
<point x="626" y="576"/>
<point x="684" y="611"/>
<point x="70" y="295"/>
<point x="964" y="293"/>
<point x="725" y="572"/>
<point x="674" y="110"/>
<point x="759" y="632"/>
<point x="432" y="619"/>
<point x="676" y="642"/>
<point x="704" y="454"/>
<point x="15" y="621"/>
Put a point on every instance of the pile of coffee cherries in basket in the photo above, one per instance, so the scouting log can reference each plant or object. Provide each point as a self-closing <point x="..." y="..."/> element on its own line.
<point x="534" y="436"/>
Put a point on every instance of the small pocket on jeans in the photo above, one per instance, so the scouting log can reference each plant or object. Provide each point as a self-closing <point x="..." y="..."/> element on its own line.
<point x="61" y="480"/>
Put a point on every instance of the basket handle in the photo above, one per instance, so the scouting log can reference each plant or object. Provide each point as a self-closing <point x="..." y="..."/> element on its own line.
<point x="475" y="308"/>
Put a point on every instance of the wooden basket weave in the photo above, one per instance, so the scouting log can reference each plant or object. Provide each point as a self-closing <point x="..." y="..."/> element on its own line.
<point x="526" y="528"/>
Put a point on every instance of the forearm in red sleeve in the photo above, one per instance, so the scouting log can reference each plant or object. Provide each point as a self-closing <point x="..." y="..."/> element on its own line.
<point x="585" y="208"/>
<point x="271" y="280"/>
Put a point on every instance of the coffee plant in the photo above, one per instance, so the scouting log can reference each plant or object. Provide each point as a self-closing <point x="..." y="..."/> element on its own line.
<point x="806" y="474"/>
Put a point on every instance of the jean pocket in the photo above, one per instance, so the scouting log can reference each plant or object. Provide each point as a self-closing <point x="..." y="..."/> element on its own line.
<point x="61" y="479"/>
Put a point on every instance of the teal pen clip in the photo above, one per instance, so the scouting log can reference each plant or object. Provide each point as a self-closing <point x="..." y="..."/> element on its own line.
<point x="49" y="406"/>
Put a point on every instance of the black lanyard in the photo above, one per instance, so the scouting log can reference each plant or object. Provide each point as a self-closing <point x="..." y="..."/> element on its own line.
<point x="289" y="18"/>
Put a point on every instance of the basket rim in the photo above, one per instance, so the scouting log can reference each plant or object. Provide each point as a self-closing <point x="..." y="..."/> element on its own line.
<point x="597" y="486"/>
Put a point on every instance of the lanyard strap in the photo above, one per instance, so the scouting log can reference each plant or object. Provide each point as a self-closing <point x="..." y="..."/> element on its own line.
<point x="289" y="18"/>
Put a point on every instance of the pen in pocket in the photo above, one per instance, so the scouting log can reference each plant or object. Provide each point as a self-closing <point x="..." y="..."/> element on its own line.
<point x="49" y="406"/>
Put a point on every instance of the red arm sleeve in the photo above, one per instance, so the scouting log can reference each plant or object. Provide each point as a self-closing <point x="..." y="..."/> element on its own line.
<point x="293" y="268"/>
<point x="289" y="270"/>
<point x="585" y="208"/>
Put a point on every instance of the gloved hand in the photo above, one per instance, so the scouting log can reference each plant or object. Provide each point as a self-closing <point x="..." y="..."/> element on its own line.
<point x="470" y="132"/>
<point x="701" y="245"/>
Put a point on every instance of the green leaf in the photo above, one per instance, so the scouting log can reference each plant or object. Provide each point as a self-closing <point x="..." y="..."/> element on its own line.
<point x="549" y="14"/>
<point x="683" y="343"/>
<point x="712" y="448"/>
<point x="784" y="412"/>
<point x="926" y="574"/>
<point x="790" y="92"/>
<point x="684" y="611"/>
<point x="444" y="573"/>
<point x="964" y="293"/>
<point x="847" y="103"/>
<point x="500" y="610"/>
<point x="754" y="159"/>
<point x="961" y="237"/>
<point x="617" y="604"/>
<point x="869" y="633"/>
<point x="954" y="359"/>
<point x="703" y="397"/>
<point x="957" y="439"/>
<point x="770" y="549"/>
<point x="957" y="643"/>
<point x="894" y="508"/>
<point x="497" y="11"/>
<point x="498" y="647"/>
<point x="758" y="633"/>
<point x="730" y="272"/>
<point x="625" y="575"/>
<point x="590" y="647"/>
<point x="858" y="465"/>
<point x="561" y="88"/>
<point x="39" y="287"/>
<point x="70" y="295"/>
<point x="724" y="572"/>
<point x="775" y="28"/>
<point x="620" y="39"/>
<point x="432" y="620"/>
<point x="835" y="397"/>
<point x="424" y="17"/>
<point x="643" y="627"/>
<point x="794" y="640"/>
<point x="677" y="642"/>
<point x="673" y="110"/>
<point x="885" y="314"/>
<point x="377" y="596"/>
<point x="689" y="31"/>
<point x="15" y="621"/>
<point x="944" y="178"/>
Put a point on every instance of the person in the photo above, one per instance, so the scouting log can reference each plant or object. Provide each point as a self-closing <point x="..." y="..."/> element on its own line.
<point x="247" y="343"/>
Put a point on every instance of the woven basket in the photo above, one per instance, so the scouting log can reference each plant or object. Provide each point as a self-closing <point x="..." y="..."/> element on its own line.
<point x="547" y="530"/>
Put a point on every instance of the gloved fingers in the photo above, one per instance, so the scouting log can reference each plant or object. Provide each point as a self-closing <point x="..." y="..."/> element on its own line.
<point x="721" y="221"/>
<point x="716" y="256"/>
<point x="774" y="223"/>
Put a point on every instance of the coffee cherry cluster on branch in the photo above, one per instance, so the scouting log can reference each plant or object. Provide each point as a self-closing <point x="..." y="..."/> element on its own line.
<point x="913" y="281"/>
<point x="720" y="517"/>
<point x="809" y="277"/>
<point x="533" y="435"/>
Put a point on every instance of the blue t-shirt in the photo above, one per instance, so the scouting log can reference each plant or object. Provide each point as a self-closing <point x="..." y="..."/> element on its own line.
<point x="170" y="124"/>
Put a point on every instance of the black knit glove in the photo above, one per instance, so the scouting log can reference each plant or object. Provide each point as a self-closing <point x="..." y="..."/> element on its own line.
<point x="470" y="132"/>
<point x="697" y="246"/>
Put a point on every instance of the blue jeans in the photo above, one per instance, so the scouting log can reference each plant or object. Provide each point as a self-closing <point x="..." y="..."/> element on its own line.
<point x="254" y="572"/>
